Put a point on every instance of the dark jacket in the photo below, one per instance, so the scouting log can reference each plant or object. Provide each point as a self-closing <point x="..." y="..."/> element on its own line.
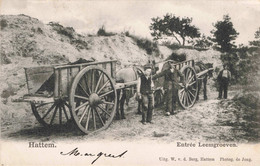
<point x="170" y="77"/>
<point x="146" y="84"/>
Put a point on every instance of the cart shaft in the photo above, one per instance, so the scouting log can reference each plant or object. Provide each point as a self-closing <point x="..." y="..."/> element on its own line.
<point x="125" y="85"/>
<point x="35" y="99"/>
<point x="200" y="74"/>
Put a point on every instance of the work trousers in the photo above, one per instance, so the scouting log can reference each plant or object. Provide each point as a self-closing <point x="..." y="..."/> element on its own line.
<point x="147" y="107"/>
<point x="223" y="86"/>
<point x="171" y="97"/>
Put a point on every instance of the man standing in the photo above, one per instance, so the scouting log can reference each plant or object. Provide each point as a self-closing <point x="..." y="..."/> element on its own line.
<point x="145" y="92"/>
<point x="224" y="77"/>
<point x="171" y="85"/>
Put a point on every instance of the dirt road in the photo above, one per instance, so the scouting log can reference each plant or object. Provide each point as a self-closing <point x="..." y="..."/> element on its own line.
<point x="207" y="120"/>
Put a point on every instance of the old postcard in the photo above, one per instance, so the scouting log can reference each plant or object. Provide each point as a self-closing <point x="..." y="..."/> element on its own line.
<point x="130" y="82"/>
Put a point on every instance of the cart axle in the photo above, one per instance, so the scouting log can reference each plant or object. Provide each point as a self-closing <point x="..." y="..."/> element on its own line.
<point x="94" y="100"/>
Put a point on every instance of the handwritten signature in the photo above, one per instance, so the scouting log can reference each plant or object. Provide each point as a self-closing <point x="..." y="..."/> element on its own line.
<point x="75" y="152"/>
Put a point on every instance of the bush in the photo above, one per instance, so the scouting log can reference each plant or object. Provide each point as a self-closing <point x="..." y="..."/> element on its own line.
<point x="127" y="33"/>
<point x="249" y="99"/>
<point x="66" y="31"/>
<point x="175" y="46"/>
<point x="80" y="44"/>
<point x="177" y="57"/>
<point x="102" y="32"/>
<point x="39" y="30"/>
<point x="3" y="24"/>
<point x="74" y="38"/>
<point x="147" y="45"/>
<point x="202" y="42"/>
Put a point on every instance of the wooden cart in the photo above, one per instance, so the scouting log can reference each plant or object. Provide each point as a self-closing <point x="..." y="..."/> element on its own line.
<point x="85" y="93"/>
<point x="187" y="94"/>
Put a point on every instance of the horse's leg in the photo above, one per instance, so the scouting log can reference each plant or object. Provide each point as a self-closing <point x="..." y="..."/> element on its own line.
<point x="161" y="97"/>
<point x="127" y="94"/>
<point x="122" y="102"/>
<point x="117" y="106"/>
<point x="199" y="86"/>
<point x="164" y="96"/>
<point x="205" y="88"/>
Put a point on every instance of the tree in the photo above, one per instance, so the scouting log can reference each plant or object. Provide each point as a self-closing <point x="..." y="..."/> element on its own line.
<point x="173" y="26"/>
<point x="224" y="34"/>
<point x="256" y="42"/>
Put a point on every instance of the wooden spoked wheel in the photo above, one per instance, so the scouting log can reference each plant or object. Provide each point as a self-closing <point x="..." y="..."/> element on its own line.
<point x="93" y="99"/>
<point x="188" y="92"/>
<point x="52" y="113"/>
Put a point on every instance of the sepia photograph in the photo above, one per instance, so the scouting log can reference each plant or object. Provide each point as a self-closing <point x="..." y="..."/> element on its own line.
<point x="127" y="82"/>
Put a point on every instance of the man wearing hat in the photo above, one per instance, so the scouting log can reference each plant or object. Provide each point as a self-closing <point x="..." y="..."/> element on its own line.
<point x="224" y="77"/>
<point x="145" y="92"/>
<point x="171" y="85"/>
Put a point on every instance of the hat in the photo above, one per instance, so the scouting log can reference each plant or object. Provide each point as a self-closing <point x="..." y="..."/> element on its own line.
<point x="147" y="66"/>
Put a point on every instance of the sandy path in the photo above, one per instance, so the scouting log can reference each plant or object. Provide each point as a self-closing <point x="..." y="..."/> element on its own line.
<point x="203" y="122"/>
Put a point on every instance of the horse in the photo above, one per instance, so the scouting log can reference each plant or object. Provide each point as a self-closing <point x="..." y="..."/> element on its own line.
<point x="125" y="75"/>
<point x="200" y="66"/>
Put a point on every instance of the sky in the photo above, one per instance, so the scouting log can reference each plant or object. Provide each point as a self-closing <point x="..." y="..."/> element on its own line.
<point x="135" y="16"/>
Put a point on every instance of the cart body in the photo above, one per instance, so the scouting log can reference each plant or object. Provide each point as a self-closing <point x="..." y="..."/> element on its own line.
<point x="54" y="81"/>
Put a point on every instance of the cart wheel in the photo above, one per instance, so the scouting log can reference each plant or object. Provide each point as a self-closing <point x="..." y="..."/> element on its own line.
<point x="52" y="113"/>
<point x="96" y="92"/>
<point x="188" y="91"/>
